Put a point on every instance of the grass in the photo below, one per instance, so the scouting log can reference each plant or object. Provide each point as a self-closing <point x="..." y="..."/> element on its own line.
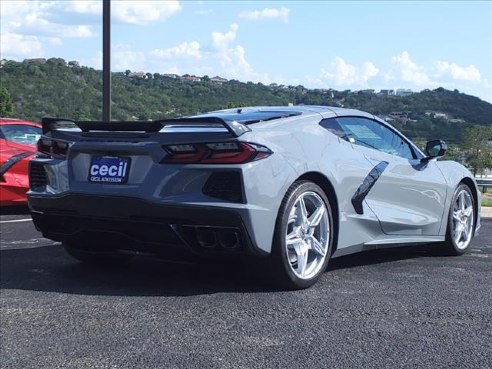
<point x="486" y="202"/>
<point x="487" y="198"/>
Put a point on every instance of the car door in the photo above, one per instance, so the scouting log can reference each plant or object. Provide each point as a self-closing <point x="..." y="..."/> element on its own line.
<point x="406" y="195"/>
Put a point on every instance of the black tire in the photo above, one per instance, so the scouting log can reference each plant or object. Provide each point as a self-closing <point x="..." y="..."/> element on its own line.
<point x="450" y="246"/>
<point x="280" y="268"/>
<point x="96" y="257"/>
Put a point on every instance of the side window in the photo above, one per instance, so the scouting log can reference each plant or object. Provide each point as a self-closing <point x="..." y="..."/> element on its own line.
<point x="21" y="133"/>
<point x="332" y="125"/>
<point x="369" y="133"/>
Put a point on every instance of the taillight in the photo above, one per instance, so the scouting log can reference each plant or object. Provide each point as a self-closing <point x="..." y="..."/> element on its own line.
<point x="216" y="153"/>
<point x="52" y="148"/>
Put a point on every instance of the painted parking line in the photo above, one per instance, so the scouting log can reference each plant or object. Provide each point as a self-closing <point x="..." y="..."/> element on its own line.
<point x="16" y="220"/>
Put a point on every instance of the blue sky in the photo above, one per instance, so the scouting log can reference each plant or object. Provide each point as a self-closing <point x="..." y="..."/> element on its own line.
<point x="319" y="44"/>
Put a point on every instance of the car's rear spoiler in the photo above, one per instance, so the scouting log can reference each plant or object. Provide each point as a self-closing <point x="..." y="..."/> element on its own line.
<point x="52" y="124"/>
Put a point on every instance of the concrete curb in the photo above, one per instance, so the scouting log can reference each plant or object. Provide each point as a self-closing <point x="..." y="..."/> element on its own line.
<point x="486" y="212"/>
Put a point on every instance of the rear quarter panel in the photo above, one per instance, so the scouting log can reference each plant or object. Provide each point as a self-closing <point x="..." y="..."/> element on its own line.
<point x="302" y="146"/>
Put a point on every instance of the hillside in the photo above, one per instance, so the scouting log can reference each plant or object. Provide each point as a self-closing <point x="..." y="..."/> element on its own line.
<point x="55" y="89"/>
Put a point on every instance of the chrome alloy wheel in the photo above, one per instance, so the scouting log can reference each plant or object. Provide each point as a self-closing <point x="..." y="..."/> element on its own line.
<point x="307" y="235"/>
<point x="463" y="220"/>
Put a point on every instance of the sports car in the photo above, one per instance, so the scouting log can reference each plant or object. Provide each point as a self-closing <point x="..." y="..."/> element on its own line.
<point x="17" y="146"/>
<point x="293" y="186"/>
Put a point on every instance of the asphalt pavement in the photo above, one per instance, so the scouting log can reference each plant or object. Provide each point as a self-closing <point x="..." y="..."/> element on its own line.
<point x="399" y="308"/>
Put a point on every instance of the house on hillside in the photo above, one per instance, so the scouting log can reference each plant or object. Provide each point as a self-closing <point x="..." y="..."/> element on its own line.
<point x="137" y="75"/>
<point x="387" y="92"/>
<point x="170" y="75"/>
<point x="400" y="116"/>
<point x="35" y="61"/>
<point x="403" y="92"/>
<point x="218" y="80"/>
<point x="189" y="78"/>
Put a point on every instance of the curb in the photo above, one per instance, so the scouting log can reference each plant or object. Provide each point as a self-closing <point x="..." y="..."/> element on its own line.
<point x="486" y="212"/>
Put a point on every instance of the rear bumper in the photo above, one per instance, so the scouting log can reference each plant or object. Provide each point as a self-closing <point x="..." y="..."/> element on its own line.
<point x="129" y="223"/>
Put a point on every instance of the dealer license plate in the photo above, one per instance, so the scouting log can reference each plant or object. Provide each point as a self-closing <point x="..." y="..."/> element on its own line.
<point x="109" y="169"/>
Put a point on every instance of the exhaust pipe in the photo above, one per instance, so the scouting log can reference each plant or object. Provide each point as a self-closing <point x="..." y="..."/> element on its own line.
<point x="206" y="238"/>
<point x="228" y="239"/>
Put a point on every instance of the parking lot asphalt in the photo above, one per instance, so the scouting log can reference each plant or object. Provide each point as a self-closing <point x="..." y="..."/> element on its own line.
<point x="398" y="308"/>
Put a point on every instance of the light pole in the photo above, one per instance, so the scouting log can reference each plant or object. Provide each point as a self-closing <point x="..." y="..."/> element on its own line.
<point x="106" y="108"/>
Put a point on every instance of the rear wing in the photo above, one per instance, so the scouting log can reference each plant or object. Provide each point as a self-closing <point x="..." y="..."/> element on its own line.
<point x="55" y="124"/>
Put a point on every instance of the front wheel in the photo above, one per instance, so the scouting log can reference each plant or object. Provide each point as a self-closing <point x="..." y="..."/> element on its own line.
<point x="461" y="221"/>
<point x="303" y="236"/>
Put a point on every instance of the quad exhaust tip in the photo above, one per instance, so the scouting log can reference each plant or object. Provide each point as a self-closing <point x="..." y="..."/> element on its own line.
<point x="217" y="238"/>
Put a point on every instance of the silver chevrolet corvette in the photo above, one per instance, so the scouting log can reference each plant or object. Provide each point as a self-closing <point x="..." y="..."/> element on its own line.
<point x="294" y="186"/>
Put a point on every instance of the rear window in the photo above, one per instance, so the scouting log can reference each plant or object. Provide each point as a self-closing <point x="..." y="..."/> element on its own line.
<point x="21" y="133"/>
<point x="246" y="116"/>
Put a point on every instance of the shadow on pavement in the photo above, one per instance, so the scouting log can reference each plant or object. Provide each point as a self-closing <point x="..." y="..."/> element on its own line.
<point x="49" y="269"/>
<point x="15" y="210"/>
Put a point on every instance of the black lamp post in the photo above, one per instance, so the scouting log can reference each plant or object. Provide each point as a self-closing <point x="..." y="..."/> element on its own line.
<point x="106" y="108"/>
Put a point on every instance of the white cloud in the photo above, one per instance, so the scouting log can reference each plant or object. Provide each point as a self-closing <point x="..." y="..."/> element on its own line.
<point x="458" y="73"/>
<point x="222" y="40"/>
<point x="369" y="70"/>
<point x="133" y="12"/>
<point x="83" y="6"/>
<point x="32" y="24"/>
<point x="403" y="72"/>
<point x="232" y="58"/>
<point x="32" y="18"/>
<point x="185" y="49"/>
<point x="123" y="58"/>
<point x="20" y="45"/>
<point x="143" y="12"/>
<point x="234" y="62"/>
<point x="12" y="12"/>
<point x="344" y="74"/>
<point x="281" y="14"/>
<point x="409" y="71"/>
<point x="54" y="41"/>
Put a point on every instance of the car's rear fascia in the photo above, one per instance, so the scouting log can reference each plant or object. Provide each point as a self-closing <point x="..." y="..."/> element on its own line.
<point x="163" y="206"/>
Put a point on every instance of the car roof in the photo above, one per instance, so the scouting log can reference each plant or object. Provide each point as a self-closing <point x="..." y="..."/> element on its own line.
<point x="255" y="114"/>
<point x="7" y="121"/>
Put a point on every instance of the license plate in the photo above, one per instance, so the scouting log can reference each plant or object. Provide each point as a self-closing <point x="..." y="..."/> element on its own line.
<point x="109" y="169"/>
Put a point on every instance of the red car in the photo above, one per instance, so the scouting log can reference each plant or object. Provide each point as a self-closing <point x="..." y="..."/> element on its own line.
<point x="18" y="140"/>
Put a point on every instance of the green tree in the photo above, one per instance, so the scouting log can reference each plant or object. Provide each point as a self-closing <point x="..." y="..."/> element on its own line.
<point x="479" y="153"/>
<point x="233" y="104"/>
<point x="454" y="153"/>
<point x="6" y="107"/>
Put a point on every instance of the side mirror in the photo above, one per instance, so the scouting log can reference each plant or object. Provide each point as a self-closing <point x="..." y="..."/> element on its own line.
<point x="435" y="149"/>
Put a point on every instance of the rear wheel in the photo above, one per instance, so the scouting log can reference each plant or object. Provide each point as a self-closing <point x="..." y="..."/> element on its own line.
<point x="96" y="257"/>
<point x="303" y="236"/>
<point x="461" y="221"/>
